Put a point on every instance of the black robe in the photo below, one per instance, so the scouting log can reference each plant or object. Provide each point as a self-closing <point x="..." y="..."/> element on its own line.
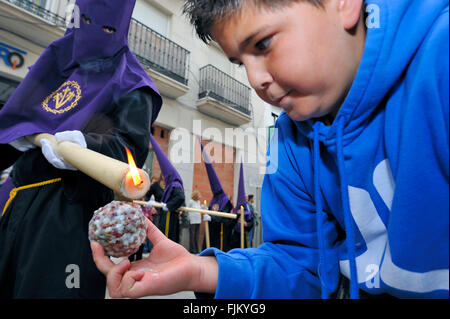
<point x="220" y="230"/>
<point x="172" y="230"/>
<point x="236" y="235"/>
<point x="157" y="191"/>
<point x="44" y="246"/>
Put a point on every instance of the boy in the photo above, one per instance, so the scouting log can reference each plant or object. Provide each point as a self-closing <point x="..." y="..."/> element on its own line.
<point x="361" y="189"/>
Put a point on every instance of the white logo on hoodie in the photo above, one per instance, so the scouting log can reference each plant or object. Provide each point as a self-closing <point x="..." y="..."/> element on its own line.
<point x="375" y="235"/>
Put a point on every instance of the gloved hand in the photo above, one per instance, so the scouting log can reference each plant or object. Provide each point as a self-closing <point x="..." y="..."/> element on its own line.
<point x="75" y="137"/>
<point x="52" y="157"/>
<point x="206" y="218"/>
<point x="22" y="144"/>
<point x="164" y="207"/>
<point x="150" y="203"/>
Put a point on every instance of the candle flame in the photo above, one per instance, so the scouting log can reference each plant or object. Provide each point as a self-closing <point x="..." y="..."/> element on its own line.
<point x="133" y="169"/>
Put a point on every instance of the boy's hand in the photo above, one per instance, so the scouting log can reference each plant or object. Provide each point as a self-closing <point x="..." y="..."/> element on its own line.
<point x="113" y="273"/>
<point x="168" y="269"/>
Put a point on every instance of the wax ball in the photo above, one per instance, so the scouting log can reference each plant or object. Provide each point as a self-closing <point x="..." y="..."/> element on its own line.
<point x="120" y="227"/>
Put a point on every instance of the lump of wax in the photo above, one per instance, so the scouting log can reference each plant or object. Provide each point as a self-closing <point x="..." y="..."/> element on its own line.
<point x="120" y="227"/>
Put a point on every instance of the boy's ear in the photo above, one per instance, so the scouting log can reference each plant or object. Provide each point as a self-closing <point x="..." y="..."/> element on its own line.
<point x="350" y="12"/>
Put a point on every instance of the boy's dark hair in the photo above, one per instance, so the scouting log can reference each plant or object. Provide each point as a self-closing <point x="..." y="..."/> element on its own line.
<point x="250" y="197"/>
<point x="203" y="14"/>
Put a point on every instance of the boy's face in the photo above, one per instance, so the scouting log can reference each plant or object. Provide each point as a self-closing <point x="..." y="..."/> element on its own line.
<point x="300" y="57"/>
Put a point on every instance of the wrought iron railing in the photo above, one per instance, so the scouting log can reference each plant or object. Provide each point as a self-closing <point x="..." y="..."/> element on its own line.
<point x="36" y="9"/>
<point x="159" y="53"/>
<point x="222" y="87"/>
<point x="152" y="49"/>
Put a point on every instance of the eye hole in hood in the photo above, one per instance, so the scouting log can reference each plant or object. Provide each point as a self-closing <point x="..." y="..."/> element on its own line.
<point x="109" y="30"/>
<point x="86" y="19"/>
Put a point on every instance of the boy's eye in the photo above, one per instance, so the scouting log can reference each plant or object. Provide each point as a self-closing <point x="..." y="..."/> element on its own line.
<point x="109" y="30"/>
<point x="263" y="44"/>
<point x="86" y="19"/>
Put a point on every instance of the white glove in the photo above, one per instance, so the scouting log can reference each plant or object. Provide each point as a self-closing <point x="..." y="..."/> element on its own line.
<point x="22" y="144"/>
<point x="164" y="207"/>
<point x="150" y="203"/>
<point x="52" y="157"/>
<point x="206" y="218"/>
<point x="72" y="136"/>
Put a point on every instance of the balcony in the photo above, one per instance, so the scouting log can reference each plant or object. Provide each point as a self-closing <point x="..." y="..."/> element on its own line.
<point x="31" y="21"/>
<point x="49" y="16"/>
<point x="224" y="98"/>
<point x="166" y="62"/>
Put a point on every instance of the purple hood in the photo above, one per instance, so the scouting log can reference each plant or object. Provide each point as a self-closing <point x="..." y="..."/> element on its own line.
<point x="78" y="75"/>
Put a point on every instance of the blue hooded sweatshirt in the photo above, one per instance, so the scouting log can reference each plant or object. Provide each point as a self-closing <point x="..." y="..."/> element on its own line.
<point x="368" y="196"/>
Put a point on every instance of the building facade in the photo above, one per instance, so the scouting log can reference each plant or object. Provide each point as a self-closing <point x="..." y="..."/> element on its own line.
<point x="205" y="96"/>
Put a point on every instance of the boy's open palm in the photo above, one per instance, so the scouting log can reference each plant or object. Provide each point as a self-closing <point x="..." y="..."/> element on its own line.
<point x="168" y="269"/>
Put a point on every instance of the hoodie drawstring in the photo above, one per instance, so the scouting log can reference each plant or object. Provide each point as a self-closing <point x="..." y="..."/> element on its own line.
<point x="319" y="214"/>
<point x="350" y="235"/>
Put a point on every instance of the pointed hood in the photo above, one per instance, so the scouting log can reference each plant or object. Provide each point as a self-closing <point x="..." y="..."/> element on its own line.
<point x="78" y="75"/>
<point x="90" y="41"/>
<point x="171" y="176"/>
<point x="219" y="196"/>
<point x="241" y="195"/>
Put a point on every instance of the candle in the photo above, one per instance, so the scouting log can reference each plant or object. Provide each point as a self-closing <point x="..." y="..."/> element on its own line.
<point x="130" y="190"/>
<point x="193" y="210"/>
<point x="134" y="173"/>
<point x="114" y="174"/>
<point x="208" y="242"/>
<point x="242" y="227"/>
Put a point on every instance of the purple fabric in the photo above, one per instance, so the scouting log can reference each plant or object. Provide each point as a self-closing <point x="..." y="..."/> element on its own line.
<point x="5" y="190"/>
<point x="78" y="75"/>
<point x="241" y="201"/>
<point x="219" y="196"/>
<point x="171" y="176"/>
